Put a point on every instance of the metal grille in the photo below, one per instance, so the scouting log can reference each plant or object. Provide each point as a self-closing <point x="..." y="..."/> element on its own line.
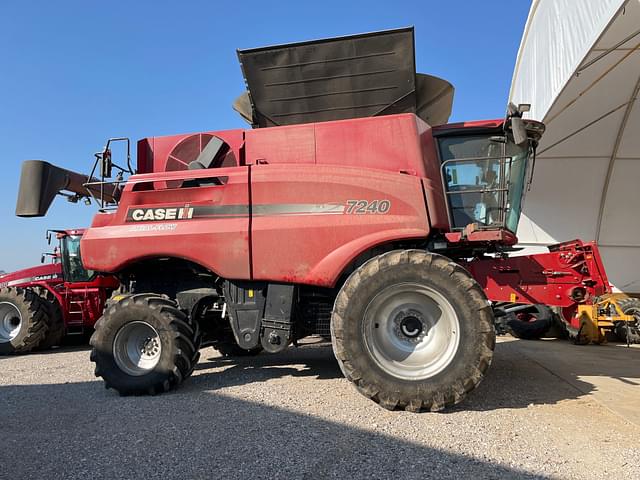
<point x="315" y="310"/>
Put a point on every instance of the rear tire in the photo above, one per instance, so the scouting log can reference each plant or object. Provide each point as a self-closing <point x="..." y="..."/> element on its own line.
<point x="56" y="331"/>
<point x="24" y="320"/>
<point x="143" y="344"/>
<point x="630" y="306"/>
<point x="533" y="323"/>
<point x="413" y="331"/>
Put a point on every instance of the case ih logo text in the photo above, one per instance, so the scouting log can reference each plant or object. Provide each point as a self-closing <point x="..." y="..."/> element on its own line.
<point x="158" y="214"/>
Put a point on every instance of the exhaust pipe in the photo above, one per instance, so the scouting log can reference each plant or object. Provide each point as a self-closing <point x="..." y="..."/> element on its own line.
<point x="40" y="182"/>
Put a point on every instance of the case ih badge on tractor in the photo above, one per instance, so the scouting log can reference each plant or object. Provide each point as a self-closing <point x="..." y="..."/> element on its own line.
<point x="40" y="305"/>
<point x="343" y="213"/>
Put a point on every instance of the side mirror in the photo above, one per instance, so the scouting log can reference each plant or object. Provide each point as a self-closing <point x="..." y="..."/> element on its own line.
<point x="514" y="115"/>
<point x="42" y="258"/>
<point x="48" y="238"/>
<point x="519" y="131"/>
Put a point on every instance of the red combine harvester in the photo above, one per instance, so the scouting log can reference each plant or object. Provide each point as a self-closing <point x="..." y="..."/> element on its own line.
<point x="40" y="305"/>
<point x="342" y="213"/>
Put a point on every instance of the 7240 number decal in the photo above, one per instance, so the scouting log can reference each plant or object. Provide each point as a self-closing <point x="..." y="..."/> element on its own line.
<point x="361" y="207"/>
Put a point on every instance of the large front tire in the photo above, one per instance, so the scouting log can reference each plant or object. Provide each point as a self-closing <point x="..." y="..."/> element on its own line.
<point x="143" y="344"/>
<point x="24" y="320"/>
<point x="413" y="330"/>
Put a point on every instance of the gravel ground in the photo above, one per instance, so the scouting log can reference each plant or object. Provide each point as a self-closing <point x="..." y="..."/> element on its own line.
<point x="292" y="415"/>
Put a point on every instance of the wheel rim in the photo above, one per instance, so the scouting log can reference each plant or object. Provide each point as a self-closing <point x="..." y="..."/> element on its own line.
<point x="10" y="322"/>
<point x="411" y="331"/>
<point x="137" y="348"/>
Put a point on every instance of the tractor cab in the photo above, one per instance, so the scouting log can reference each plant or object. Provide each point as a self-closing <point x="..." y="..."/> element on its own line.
<point x="83" y="292"/>
<point x="72" y="267"/>
<point x="68" y="254"/>
<point x="486" y="170"/>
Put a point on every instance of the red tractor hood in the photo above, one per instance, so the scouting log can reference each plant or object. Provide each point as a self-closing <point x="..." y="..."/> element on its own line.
<point x="41" y="273"/>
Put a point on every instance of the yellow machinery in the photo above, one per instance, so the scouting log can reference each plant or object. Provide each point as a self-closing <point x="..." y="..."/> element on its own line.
<point x="604" y="316"/>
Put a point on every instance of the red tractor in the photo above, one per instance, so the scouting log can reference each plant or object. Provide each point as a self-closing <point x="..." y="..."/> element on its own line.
<point x="342" y="213"/>
<point x="40" y="305"/>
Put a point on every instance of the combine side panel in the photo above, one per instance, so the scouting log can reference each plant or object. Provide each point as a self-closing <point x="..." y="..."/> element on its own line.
<point x="197" y="215"/>
<point x="309" y="222"/>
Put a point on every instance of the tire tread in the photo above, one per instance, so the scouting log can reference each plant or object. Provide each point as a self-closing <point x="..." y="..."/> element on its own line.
<point x="457" y="391"/>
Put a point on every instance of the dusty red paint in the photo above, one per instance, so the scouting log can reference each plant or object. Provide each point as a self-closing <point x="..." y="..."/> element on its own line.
<point x="260" y="232"/>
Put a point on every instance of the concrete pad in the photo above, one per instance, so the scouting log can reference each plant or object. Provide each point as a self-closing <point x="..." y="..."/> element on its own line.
<point x="610" y="374"/>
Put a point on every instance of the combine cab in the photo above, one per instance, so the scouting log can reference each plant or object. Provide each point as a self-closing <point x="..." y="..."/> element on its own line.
<point x="342" y="213"/>
<point x="40" y="305"/>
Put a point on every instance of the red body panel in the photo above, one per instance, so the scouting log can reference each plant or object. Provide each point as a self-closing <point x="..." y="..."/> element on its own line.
<point x="294" y="144"/>
<point x="300" y="245"/>
<point x="289" y="225"/>
<point x="220" y="242"/>
<point x="49" y="273"/>
<point x="368" y="159"/>
<point x="432" y="181"/>
<point x="390" y="143"/>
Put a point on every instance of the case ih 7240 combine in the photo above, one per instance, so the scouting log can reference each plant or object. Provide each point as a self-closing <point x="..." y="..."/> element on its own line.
<point x="39" y="305"/>
<point x="341" y="213"/>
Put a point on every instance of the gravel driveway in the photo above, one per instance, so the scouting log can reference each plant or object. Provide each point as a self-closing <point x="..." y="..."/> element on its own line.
<point x="292" y="415"/>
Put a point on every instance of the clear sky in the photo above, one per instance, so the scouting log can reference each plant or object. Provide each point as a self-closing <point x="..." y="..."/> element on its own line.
<point x="74" y="73"/>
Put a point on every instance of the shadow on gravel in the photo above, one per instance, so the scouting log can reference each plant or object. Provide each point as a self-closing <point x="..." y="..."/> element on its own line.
<point x="517" y="377"/>
<point x="77" y="431"/>
<point x="316" y="361"/>
<point x="51" y="351"/>
<point x="546" y="372"/>
<point x="71" y="343"/>
<point x="513" y="380"/>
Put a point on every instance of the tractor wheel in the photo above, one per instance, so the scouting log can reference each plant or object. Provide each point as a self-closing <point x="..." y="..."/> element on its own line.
<point x="630" y="306"/>
<point x="232" y="349"/>
<point x="530" y="324"/>
<point x="23" y="320"/>
<point x="413" y="330"/>
<point x="56" y="331"/>
<point x="143" y="344"/>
